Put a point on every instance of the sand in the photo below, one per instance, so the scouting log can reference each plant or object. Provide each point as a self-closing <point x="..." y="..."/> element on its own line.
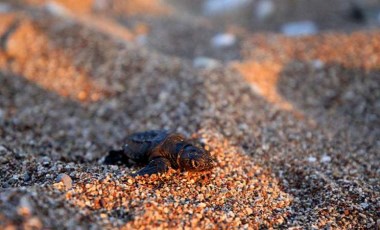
<point x="292" y="122"/>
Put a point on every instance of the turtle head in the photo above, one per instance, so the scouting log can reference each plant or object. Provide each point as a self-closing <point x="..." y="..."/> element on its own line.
<point x="193" y="158"/>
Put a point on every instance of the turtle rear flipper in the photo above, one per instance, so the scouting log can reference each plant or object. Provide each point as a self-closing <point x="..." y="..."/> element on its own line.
<point x="116" y="157"/>
<point x="157" y="165"/>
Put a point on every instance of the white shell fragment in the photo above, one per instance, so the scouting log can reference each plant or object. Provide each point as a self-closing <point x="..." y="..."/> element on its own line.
<point x="223" y="40"/>
<point x="301" y="28"/>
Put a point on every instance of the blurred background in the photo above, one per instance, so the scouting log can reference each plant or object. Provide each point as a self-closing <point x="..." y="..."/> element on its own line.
<point x="292" y="85"/>
<point x="275" y="15"/>
<point x="202" y="27"/>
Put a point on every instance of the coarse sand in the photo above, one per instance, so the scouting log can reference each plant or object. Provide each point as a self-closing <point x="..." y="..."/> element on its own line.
<point x="292" y="122"/>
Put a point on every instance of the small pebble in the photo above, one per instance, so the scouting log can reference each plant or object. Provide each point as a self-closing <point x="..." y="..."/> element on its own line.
<point x="302" y="28"/>
<point x="3" y="9"/>
<point x="211" y="7"/>
<point x="223" y="40"/>
<point x="25" y="207"/>
<point x="311" y="159"/>
<point x="318" y="64"/>
<point x="205" y="63"/>
<point x="2" y="148"/>
<point x="56" y="9"/>
<point x="264" y="9"/>
<point x="65" y="179"/>
<point x="202" y="205"/>
<point x="114" y="167"/>
<point x="364" y="205"/>
<point x="325" y="159"/>
<point x="26" y="177"/>
<point x="101" y="4"/>
<point x="33" y="223"/>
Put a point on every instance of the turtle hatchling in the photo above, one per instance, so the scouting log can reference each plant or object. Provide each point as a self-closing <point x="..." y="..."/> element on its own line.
<point x="159" y="150"/>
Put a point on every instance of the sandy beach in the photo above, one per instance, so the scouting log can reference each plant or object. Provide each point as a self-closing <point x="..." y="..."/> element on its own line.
<point x="293" y="121"/>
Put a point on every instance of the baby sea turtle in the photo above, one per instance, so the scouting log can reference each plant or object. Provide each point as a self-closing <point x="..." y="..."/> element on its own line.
<point x="160" y="150"/>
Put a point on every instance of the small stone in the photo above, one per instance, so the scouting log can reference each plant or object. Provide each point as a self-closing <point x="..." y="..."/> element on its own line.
<point x="302" y="28"/>
<point x="325" y="159"/>
<point x="3" y="9"/>
<point x="141" y="39"/>
<point x="249" y="211"/>
<point x="223" y="40"/>
<point x="205" y="63"/>
<point x="26" y="177"/>
<point x="114" y="167"/>
<point x="264" y="9"/>
<point x="101" y="4"/>
<point x="65" y="179"/>
<point x="364" y="205"/>
<point x="56" y="9"/>
<point x="202" y="205"/>
<point x="2" y="148"/>
<point x="311" y="159"/>
<point x="33" y="223"/>
<point x="130" y="181"/>
<point x="212" y="7"/>
<point x="318" y="64"/>
<point x="24" y="208"/>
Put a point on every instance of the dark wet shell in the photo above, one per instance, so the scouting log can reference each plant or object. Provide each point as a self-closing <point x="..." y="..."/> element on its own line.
<point x="149" y="136"/>
<point x="171" y="141"/>
<point x="139" y="145"/>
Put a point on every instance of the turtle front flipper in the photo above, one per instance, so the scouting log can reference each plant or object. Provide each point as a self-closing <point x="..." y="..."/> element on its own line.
<point x="116" y="157"/>
<point x="157" y="165"/>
